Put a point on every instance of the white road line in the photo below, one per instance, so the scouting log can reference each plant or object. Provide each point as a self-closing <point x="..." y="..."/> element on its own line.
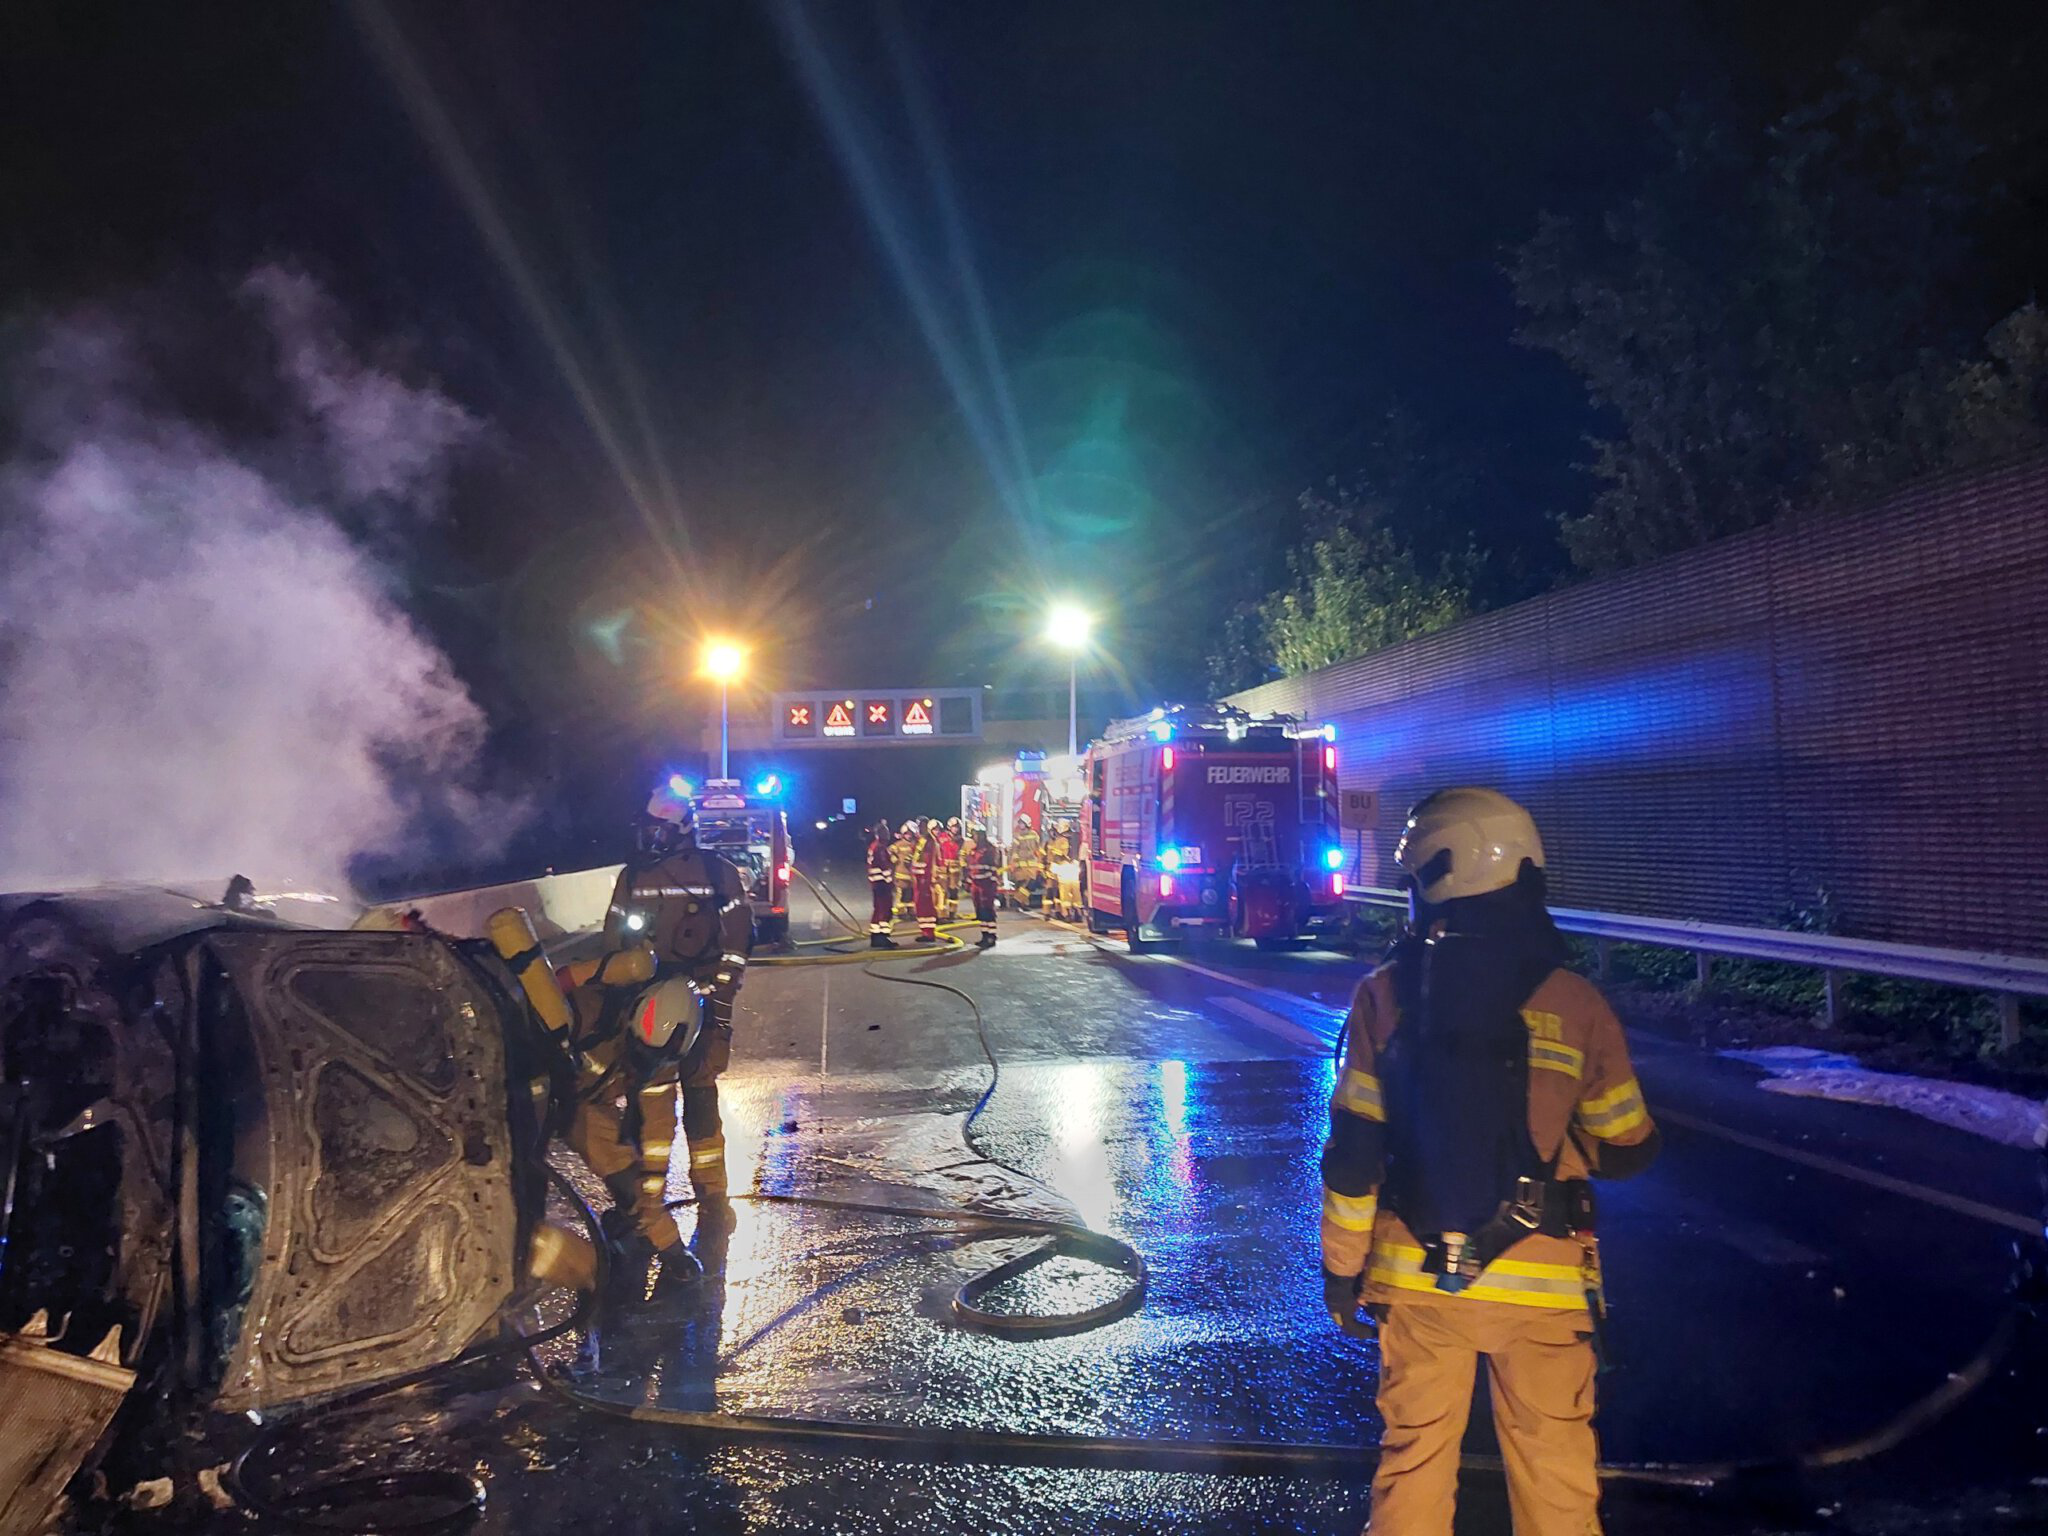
<point x="1834" y="1165"/>
<point x="824" y="1020"/>
<point x="1941" y="1199"/>
<point x="1272" y="1022"/>
<point x="1278" y="994"/>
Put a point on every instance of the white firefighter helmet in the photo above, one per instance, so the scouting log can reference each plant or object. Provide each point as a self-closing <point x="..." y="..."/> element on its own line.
<point x="1466" y="842"/>
<point x="669" y="823"/>
<point x="667" y="1016"/>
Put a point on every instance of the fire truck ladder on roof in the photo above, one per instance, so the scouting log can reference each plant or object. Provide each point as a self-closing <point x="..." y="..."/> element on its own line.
<point x="1194" y="717"/>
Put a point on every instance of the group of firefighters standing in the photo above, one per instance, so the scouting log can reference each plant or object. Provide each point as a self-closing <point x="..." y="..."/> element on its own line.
<point x="922" y="868"/>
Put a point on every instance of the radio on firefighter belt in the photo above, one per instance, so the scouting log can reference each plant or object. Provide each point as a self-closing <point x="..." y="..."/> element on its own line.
<point x="1463" y="1171"/>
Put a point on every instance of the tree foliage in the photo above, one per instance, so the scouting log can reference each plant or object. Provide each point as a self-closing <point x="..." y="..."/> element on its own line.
<point x="1380" y="555"/>
<point x="1791" y="318"/>
<point x="1356" y="592"/>
<point x="1356" y="587"/>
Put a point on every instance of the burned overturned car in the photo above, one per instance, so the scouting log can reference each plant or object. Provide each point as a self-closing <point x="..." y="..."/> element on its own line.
<point x="245" y="1164"/>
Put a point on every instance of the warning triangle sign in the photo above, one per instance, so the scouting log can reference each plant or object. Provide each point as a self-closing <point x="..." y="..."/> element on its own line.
<point x="917" y="714"/>
<point x="839" y="717"/>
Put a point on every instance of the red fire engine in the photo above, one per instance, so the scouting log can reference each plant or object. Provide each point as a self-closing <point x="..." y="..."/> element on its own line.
<point x="1203" y="817"/>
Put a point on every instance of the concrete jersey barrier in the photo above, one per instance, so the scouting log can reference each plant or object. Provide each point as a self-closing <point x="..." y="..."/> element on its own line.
<point x="561" y="906"/>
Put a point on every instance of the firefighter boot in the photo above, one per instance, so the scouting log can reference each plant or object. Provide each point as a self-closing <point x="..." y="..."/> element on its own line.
<point x="680" y="1272"/>
<point x="882" y="941"/>
<point x="715" y="1222"/>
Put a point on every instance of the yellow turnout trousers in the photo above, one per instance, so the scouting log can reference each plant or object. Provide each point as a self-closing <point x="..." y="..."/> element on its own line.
<point x="1540" y="1364"/>
<point x="638" y="1180"/>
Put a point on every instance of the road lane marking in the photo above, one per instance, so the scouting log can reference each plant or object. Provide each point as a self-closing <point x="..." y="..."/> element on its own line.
<point x="824" y="1021"/>
<point x="1262" y="990"/>
<point x="1711" y="1223"/>
<point x="1957" y="1204"/>
<point x="1278" y="994"/>
<point x="1270" y="1021"/>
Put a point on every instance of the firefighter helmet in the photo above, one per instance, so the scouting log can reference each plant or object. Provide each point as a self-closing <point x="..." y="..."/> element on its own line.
<point x="1466" y="842"/>
<point x="669" y="824"/>
<point x="667" y="1016"/>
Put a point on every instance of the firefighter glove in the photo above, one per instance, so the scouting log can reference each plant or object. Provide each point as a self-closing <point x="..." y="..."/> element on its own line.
<point x="1340" y="1300"/>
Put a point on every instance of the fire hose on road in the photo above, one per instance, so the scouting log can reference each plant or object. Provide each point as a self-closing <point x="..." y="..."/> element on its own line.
<point x="2028" y="1293"/>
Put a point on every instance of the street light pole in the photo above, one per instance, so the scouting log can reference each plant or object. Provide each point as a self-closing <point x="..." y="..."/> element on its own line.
<point x="1066" y="628"/>
<point x="723" y="661"/>
<point x="1073" y="698"/>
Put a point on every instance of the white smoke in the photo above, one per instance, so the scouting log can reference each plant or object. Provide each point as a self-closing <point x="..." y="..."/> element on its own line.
<point x="200" y="671"/>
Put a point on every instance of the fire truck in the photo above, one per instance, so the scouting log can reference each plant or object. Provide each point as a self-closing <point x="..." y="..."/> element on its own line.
<point x="752" y="830"/>
<point x="1206" y="819"/>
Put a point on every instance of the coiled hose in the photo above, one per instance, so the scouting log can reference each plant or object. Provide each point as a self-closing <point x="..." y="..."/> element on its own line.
<point x="1063" y="1239"/>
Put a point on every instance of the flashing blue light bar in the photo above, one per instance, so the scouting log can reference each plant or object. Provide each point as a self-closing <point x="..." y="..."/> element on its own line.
<point x="769" y="786"/>
<point x="1162" y="730"/>
<point x="680" y="786"/>
<point x="1333" y="858"/>
<point x="1169" y="858"/>
<point x="1329" y="733"/>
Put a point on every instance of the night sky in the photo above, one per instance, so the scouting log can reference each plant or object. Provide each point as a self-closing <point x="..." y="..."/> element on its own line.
<point x="862" y="328"/>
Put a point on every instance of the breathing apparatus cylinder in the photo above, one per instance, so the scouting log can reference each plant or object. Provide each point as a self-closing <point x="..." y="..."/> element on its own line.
<point x="619" y="968"/>
<point x="557" y="1255"/>
<point x="511" y="934"/>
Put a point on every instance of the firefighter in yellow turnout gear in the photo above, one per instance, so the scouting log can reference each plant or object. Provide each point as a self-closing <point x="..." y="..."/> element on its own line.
<point x="1027" y="865"/>
<point x="903" y="859"/>
<point x="1483" y="1086"/>
<point x="1063" y="874"/>
<point x="688" y="907"/>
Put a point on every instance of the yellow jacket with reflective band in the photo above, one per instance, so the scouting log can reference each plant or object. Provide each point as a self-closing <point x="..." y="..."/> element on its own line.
<point x="1583" y="1096"/>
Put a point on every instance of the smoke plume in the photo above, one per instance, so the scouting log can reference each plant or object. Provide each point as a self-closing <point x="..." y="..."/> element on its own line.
<point x="201" y="669"/>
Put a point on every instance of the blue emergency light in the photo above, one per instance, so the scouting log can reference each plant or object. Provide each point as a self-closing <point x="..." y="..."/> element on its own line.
<point x="1162" y="730"/>
<point x="680" y="787"/>
<point x="769" y="786"/>
<point x="1333" y="858"/>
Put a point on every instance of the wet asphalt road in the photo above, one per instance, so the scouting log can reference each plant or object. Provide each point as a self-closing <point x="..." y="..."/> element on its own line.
<point x="1791" y="1275"/>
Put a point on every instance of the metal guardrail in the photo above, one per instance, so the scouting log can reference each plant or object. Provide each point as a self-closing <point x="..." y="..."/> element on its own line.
<point x="2008" y="977"/>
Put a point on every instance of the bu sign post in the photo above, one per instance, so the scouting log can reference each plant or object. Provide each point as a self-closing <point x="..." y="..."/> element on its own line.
<point x="1358" y="810"/>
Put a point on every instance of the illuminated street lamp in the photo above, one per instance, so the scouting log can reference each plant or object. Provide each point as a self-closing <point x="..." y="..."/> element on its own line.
<point x="723" y="662"/>
<point x="1067" y="626"/>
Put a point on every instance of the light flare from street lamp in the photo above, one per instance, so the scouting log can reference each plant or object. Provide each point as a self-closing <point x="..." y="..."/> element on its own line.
<point x="1067" y="626"/>
<point x="723" y="661"/>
